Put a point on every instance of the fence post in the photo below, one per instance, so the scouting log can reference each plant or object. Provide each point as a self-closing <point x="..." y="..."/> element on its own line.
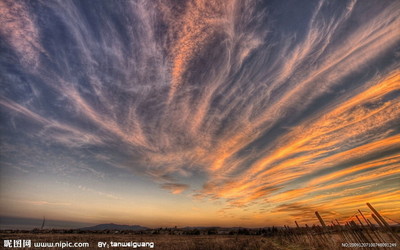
<point x="383" y="221"/>
<point x="320" y="220"/>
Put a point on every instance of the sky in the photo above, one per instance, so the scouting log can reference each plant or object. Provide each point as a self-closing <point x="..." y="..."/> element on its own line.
<point x="199" y="113"/>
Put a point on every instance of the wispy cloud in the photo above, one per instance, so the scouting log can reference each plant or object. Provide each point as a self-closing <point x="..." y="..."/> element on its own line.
<point x="46" y="203"/>
<point x="241" y="96"/>
<point x="175" y="188"/>
<point x="19" y="28"/>
<point x="100" y="193"/>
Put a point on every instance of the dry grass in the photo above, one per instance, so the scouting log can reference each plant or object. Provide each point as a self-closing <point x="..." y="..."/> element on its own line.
<point x="170" y="242"/>
<point x="186" y="242"/>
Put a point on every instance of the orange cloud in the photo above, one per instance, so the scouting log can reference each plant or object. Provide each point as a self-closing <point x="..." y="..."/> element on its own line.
<point x="175" y="188"/>
<point x="313" y="146"/>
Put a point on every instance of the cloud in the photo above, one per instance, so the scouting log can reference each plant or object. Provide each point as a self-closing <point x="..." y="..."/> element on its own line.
<point x="63" y="133"/>
<point x="239" y="95"/>
<point x="175" y="188"/>
<point x="319" y="139"/>
<point x="20" y="31"/>
<point x="46" y="203"/>
<point x="100" y="193"/>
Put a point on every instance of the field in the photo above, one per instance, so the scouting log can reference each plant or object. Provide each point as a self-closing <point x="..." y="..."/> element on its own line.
<point x="178" y="242"/>
<point x="284" y="239"/>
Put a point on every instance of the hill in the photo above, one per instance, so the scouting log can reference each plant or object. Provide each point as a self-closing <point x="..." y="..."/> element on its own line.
<point x="112" y="226"/>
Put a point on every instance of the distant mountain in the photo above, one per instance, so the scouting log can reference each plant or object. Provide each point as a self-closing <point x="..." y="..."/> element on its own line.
<point x="200" y="228"/>
<point x="113" y="227"/>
